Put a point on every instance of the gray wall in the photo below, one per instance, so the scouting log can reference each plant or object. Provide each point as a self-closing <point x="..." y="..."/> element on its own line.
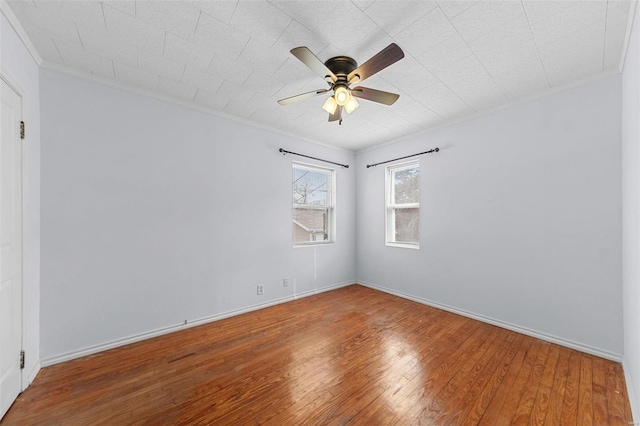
<point x="520" y="219"/>
<point x="153" y="214"/>
<point x="20" y="67"/>
<point x="631" y="216"/>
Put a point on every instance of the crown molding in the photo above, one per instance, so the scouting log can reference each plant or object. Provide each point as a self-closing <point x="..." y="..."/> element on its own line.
<point x="627" y="38"/>
<point x="22" y="34"/>
<point x="51" y="66"/>
<point x="549" y="92"/>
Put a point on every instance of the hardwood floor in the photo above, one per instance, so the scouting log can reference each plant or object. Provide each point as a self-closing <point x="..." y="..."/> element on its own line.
<point x="349" y="356"/>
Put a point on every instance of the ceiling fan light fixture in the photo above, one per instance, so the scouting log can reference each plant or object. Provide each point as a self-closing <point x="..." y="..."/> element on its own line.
<point x="330" y="105"/>
<point x="342" y="95"/>
<point x="341" y="72"/>
<point x="351" y="105"/>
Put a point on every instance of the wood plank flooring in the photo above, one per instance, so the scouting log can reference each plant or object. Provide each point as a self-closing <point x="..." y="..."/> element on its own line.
<point x="349" y="356"/>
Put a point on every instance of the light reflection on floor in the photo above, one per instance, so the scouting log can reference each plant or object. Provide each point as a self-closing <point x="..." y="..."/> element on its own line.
<point x="398" y="365"/>
<point x="312" y="364"/>
<point x="403" y="367"/>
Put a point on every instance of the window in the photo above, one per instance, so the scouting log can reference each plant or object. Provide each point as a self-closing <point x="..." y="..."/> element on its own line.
<point x="313" y="204"/>
<point x="403" y="205"/>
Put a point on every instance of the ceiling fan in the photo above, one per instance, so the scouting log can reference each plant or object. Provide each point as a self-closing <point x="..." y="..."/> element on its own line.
<point x="341" y="72"/>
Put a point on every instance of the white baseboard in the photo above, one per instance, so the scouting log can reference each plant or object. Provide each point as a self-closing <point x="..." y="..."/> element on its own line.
<point x="32" y="375"/>
<point x="165" y="330"/>
<point x="631" y="394"/>
<point x="34" y="372"/>
<point x="518" y="329"/>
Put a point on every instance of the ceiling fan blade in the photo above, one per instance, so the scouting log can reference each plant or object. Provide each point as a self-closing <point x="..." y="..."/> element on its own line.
<point x="337" y="116"/>
<point x="301" y="97"/>
<point x="387" y="56"/>
<point x="309" y="59"/>
<point x="374" y="95"/>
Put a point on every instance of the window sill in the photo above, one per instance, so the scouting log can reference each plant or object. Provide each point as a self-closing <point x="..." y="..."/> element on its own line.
<point x="404" y="245"/>
<point x="314" y="244"/>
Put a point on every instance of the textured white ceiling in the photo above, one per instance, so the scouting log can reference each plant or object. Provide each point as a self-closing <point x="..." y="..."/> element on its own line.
<point x="461" y="57"/>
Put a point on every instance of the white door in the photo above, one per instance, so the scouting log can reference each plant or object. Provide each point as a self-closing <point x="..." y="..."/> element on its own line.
<point x="11" y="246"/>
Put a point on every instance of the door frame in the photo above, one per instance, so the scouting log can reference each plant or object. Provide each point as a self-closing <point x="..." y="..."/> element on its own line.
<point x="24" y="378"/>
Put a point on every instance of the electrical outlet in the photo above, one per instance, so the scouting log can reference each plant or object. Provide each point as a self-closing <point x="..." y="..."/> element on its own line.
<point x="285" y="282"/>
<point x="260" y="289"/>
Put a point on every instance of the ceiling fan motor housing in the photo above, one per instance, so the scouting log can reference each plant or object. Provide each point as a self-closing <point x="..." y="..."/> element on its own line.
<point x="341" y="66"/>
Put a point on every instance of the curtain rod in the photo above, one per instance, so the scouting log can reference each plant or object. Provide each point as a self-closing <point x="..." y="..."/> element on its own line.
<point x="285" y="152"/>
<point x="407" y="156"/>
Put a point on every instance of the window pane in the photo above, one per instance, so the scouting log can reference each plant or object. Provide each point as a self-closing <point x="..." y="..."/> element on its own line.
<point x="407" y="229"/>
<point x="310" y="225"/>
<point x="311" y="187"/>
<point x="313" y="206"/>
<point x="406" y="186"/>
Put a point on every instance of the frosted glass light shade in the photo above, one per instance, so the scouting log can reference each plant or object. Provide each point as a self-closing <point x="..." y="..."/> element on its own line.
<point x="351" y="105"/>
<point x="330" y="105"/>
<point x="342" y="95"/>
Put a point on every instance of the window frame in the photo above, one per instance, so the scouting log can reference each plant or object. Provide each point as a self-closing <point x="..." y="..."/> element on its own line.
<point x="331" y="208"/>
<point x="391" y="206"/>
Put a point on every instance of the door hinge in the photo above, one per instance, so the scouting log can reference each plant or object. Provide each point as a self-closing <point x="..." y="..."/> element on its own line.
<point x="21" y="360"/>
<point x="22" y="130"/>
